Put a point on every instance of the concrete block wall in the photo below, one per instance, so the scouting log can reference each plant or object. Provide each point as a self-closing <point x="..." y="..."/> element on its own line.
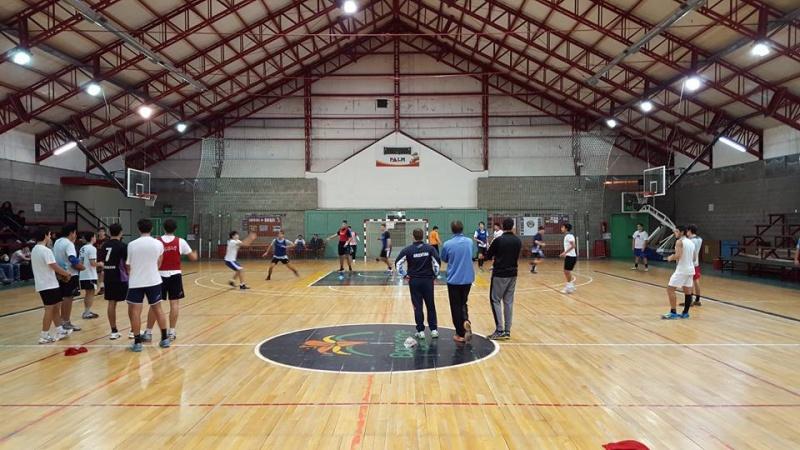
<point x="742" y="196"/>
<point x="220" y="205"/>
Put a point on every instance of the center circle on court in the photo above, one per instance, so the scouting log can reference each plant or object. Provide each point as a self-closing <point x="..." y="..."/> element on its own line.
<point x="371" y="348"/>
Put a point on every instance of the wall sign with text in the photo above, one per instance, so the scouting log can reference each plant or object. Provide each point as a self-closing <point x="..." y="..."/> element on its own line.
<point x="397" y="157"/>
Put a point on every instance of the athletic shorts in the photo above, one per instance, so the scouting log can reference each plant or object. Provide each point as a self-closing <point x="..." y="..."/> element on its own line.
<point x="69" y="288"/>
<point x="280" y="260"/>
<point x="680" y="280"/>
<point x="386" y="253"/>
<point x="233" y="265"/>
<point x="639" y="253"/>
<point x="115" y="292"/>
<point x="137" y="295"/>
<point x="50" y="297"/>
<point x="353" y="250"/>
<point x="569" y="262"/>
<point x="537" y="254"/>
<point x="481" y="250"/>
<point x="343" y="249"/>
<point x="697" y="273"/>
<point x="88" y="285"/>
<point x="172" y="287"/>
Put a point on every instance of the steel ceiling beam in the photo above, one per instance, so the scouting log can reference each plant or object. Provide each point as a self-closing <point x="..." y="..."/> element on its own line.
<point x="273" y="65"/>
<point x="676" y="53"/>
<point x="202" y="63"/>
<point x="572" y="90"/>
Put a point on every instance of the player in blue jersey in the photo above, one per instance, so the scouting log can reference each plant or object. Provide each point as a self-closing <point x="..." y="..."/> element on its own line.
<point x="386" y="248"/>
<point x="280" y="247"/>
<point x="481" y="238"/>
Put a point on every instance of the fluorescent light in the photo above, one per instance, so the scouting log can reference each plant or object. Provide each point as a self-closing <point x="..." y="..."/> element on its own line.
<point x="760" y="49"/>
<point x="611" y="123"/>
<point x="181" y="127"/>
<point x="693" y="83"/>
<point x="93" y="89"/>
<point x="65" y="148"/>
<point x="349" y="6"/>
<point x="732" y="144"/>
<point x="21" y="57"/>
<point x="145" y="111"/>
<point x="646" y="106"/>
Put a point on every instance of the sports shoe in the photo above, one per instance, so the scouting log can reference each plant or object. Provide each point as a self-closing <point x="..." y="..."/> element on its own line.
<point x="467" y="330"/>
<point x="496" y="336"/>
<point x="458" y="338"/>
<point x="70" y="326"/>
<point x="89" y="315"/>
<point x="634" y="268"/>
<point x="671" y="316"/>
<point x="131" y="335"/>
<point x="269" y="277"/>
<point x="697" y="303"/>
<point x="684" y="316"/>
<point x="165" y="343"/>
<point x="63" y="331"/>
<point x="434" y="334"/>
<point x="47" y="339"/>
<point x="136" y="347"/>
<point x="114" y="336"/>
<point x="147" y="337"/>
<point x="244" y="287"/>
<point x="231" y="283"/>
<point x="419" y="335"/>
<point x="506" y="336"/>
<point x="647" y="269"/>
<point x="171" y="335"/>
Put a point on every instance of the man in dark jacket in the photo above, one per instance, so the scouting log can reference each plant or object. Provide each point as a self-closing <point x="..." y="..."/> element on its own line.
<point x="505" y="252"/>
<point x="423" y="267"/>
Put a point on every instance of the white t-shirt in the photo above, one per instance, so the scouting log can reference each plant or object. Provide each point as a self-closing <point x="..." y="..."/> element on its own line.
<point x="569" y="241"/>
<point x="233" y="250"/>
<point x="497" y="234"/>
<point x="685" y="264"/>
<point x="143" y="256"/>
<point x="698" y="244"/>
<point x="62" y="250"/>
<point x="88" y="252"/>
<point x="639" y="238"/>
<point x="44" y="277"/>
<point x="183" y="248"/>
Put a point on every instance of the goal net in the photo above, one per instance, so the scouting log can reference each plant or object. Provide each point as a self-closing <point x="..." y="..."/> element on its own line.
<point x="399" y="230"/>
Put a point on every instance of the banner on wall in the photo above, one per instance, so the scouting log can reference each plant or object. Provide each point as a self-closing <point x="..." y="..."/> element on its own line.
<point x="530" y="225"/>
<point x="397" y="157"/>
<point x="262" y="226"/>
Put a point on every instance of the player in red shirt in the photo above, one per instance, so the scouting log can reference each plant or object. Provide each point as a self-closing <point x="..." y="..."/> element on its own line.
<point x="171" y="278"/>
<point x="344" y="234"/>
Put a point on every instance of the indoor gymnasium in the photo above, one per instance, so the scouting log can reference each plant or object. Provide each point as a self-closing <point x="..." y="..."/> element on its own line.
<point x="400" y="224"/>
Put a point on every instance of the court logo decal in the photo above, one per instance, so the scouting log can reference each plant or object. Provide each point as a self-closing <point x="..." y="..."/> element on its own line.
<point x="371" y="348"/>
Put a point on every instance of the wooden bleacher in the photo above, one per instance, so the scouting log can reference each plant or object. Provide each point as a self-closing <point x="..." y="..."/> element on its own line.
<point x="770" y="250"/>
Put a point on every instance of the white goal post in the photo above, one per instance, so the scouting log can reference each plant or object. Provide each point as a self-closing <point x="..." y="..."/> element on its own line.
<point x="400" y="230"/>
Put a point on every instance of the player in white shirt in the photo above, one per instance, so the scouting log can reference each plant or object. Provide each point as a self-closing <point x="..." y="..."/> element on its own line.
<point x="88" y="276"/>
<point x="640" y="239"/>
<point x="570" y="255"/>
<point x="232" y="252"/>
<point x="691" y="233"/>
<point x="45" y="269"/>
<point x="497" y="232"/>
<point x="144" y="259"/>
<point x="67" y="259"/>
<point x="682" y="278"/>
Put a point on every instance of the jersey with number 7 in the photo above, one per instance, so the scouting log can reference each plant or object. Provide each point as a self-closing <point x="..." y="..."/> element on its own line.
<point x="113" y="253"/>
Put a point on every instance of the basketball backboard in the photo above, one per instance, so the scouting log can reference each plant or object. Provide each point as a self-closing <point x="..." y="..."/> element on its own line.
<point x="655" y="182"/>
<point x="632" y="202"/>
<point x="137" y="183"/>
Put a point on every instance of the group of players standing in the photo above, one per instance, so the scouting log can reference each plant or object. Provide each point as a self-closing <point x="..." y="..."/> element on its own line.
<point x="147" y="267"/>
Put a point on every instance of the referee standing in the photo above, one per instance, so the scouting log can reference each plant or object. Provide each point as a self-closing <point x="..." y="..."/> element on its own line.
<point x="423" y="266"/>
<point x="505" y="251"/>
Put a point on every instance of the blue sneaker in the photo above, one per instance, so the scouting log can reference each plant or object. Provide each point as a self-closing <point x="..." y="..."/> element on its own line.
<point x="136" y="347"/>
<point x="684" y="316"/>
<point x="165" y="343"/>
<point x="671" y="316"/>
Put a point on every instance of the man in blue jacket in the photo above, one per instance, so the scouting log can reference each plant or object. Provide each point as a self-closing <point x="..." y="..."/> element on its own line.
<point x="457" y="253"/>
<point x="422" y="261"/>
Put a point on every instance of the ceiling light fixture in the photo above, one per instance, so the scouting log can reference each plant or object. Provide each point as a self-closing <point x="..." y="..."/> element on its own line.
<point x="93" y="89"/>
<point x="611" y="123"/>
<point x="692" y="83"/>
<point x="65" y="148"/>
<point x="646" y="106"/>
<point x="181" y="127"/>
<point x="733" y="144"/>
<point x="761" y="49"/>
<point x="21" y="57"/>
<point x="145" y="111"/>
<point x="349" y="6"/>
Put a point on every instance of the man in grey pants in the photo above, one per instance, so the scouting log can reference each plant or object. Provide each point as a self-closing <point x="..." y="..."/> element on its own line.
<point x="505" y="251"/>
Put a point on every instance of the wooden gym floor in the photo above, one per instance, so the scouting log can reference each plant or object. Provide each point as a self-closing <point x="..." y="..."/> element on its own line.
<point x="582" y="370"/>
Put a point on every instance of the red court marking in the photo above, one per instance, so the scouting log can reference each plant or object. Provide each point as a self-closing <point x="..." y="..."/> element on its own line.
<point x="763" y="380"/>
<point x="393" y="403"/>
<point x="362" y="415"/>
<point x="106" y="383"/>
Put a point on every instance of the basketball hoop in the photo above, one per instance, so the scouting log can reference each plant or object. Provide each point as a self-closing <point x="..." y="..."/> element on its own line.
<point x="148" y="197"/>
<point x="632" y="202"/>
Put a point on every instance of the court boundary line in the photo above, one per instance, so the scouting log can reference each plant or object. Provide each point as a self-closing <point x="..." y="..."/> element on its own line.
<point x="705" y="297"/>
<point x="259" y="355"/>
<point x="513" y="344"/>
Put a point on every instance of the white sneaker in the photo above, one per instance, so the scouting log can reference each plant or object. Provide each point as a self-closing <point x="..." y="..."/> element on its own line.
<point x="420" y="335"/>
<point x="130" y="335"/>
<point x="434" y="334"/>
<point x="115" y="336"/>
<point x="171" y="335"/>
<point x="646" y="269"/>
<point x="63" y="332"/>
<point x="47" y="339"/>
<point x="634" y="268"/>
<point x="565" y="291"/>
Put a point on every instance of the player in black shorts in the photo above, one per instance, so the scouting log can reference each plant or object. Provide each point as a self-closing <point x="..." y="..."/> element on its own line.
<point x="386" y="248"/>
<point x="113" y="254"/>
<point x="537" y="252"/>
<point x="343" y="234"/>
